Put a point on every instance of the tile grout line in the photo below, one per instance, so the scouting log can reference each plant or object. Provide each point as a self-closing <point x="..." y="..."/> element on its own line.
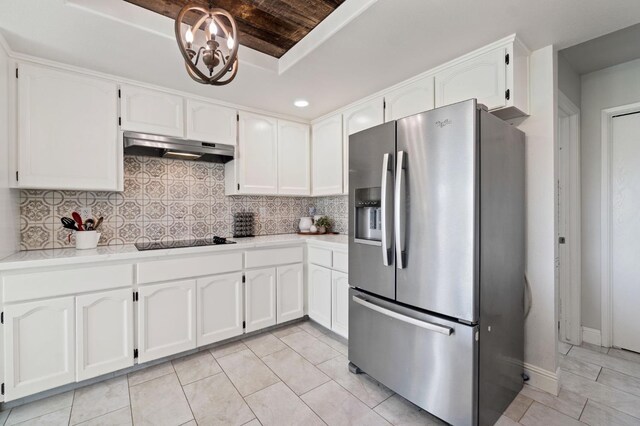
<point x="240" y="394"/>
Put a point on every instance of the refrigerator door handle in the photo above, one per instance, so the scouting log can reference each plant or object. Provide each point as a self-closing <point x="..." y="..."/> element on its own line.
<point x="383" y="209"/>
<point x="400" y="209"/>
<point x="447" y="331"/>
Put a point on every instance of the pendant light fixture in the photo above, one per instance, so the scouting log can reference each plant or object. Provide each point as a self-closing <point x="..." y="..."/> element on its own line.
<point x="216" y="60"/>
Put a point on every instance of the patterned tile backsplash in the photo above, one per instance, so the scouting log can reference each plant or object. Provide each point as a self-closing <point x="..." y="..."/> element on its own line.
<point x="166" y="200"/>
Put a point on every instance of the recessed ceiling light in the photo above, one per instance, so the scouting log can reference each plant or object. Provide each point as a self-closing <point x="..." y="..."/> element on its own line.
<point x="301" y="103"/>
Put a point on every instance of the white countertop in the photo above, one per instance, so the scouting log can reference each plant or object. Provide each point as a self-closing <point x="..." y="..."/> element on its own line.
<point x="71" y="256"/>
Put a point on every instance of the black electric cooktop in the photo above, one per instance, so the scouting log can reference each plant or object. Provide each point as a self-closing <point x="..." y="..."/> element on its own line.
<point x="158" y="245"/>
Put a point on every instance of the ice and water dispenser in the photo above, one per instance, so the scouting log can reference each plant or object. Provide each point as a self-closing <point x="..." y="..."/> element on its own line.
<point x="368" y="216"/>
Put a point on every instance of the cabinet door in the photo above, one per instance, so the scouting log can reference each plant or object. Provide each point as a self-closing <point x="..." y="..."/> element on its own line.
<point x="260" y="299"/>
<point x="320" y="295"/>
<point x="38" y="346"/>
<point x="326" y="156"/>
<point x="104" y="326"/>
<point x="258" y="154"/>
<point x="482" y="77"/>
<point x="356" y="119"/>
<point x="219" y="309"/>
<point x="150" y="111"/>
<point x="293" y="158"/>
<point x="211" y="123"/>
<point x="67" y="131"/>
<point x="290" y="293"/>
<point x="340" y="303"/>
<point x="166" y="319"/>
<point x="408" y="100"/>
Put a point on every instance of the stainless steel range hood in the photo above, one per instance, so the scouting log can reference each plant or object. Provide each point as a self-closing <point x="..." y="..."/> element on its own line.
<point x="171" y="147"/>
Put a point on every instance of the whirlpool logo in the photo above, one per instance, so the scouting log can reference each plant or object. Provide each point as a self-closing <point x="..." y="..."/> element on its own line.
<point x="442" y="123"/>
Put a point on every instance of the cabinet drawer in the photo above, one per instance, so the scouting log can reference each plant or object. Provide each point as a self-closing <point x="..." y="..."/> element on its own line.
<point x="39" y="285"/>
<point x="187" y="267"/>
<point x="320" y="256"/>
<point x="341" y="261"/>
<point x="270" y="257"/>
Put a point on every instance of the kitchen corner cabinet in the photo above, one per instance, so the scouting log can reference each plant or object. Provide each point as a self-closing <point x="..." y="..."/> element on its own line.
<point x="319" y="287"/>
<point x="293" y="158"/>
<point x="410" y="99"/>
<point x="166" y="319"/>
<point x="340" y="303"/>
<point x="326" y="156"/>
<point x="207" y="122"/>
<point x="498" y="78"/>
<point x="260" y="299"/>
<point x="39" y="351"/>
<point x="290" y="293"/>
<point x="257" y="156"/>
<point x="220" y="308"/>
<point x="356" y="119"/>
<point x="151" y="111"/>
<point x="104" y="333"/>
<point x="67" y="127"/>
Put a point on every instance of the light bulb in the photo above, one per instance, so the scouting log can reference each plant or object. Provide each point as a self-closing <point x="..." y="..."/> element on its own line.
<point x="213" y="28"/>
<point x="189" y="36"/>
<point x="230" y="42"/>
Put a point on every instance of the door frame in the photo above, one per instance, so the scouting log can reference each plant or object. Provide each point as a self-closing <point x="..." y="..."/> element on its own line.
<point x="570" y="315"/>
<point x="606" y="282"/>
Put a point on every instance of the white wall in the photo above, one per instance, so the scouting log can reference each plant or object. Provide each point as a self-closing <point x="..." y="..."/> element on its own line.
<point x="540" y="128"/>
<point x="569" y="81"/>
<point x="611" y="87"/>
<point x="9" y="214"/>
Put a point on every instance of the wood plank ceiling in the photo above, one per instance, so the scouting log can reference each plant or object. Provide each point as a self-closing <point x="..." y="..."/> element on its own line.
<point x="269" y="26"/>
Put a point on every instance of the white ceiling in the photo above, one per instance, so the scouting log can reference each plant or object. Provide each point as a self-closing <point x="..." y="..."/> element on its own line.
<point x="388" y="42"/>
<point x="606" y="51"/>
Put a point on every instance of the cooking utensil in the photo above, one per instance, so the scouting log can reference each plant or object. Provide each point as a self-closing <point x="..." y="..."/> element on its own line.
<point x="89" y="225"/>
<point x="69" y="223"/>
<point x="78" y="220"/>
<point x="98" y="223"/>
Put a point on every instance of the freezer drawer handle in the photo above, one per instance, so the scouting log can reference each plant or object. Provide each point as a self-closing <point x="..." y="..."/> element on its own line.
<point x="400" y="210"/>
<point x="383" y="209"/>
<point x="447" y="331"/>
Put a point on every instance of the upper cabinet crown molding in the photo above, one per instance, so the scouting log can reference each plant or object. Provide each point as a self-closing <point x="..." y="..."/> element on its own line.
<point x="60" y="117"/>
<point x="151" y="111"/>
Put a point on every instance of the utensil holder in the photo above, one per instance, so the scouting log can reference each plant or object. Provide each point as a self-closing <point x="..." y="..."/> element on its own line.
<point x="86" y="240"/>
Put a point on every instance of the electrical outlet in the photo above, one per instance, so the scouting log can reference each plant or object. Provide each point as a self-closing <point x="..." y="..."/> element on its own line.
<point x="85" y="213"/>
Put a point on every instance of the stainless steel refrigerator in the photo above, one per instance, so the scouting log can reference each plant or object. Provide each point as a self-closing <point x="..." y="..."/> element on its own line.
<point x="436" y="260"/>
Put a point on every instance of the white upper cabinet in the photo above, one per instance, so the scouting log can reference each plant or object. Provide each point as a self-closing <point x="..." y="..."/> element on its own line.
<point x="290" y="292"/>
<point x="104" y="333"/>
<point x="497" y="76"/>
<point x="219" y="309"/>
<point x="166" y="319"/>
<point x="151" y="111"/>
<point x="326" y="156"/>
<point x="39" y="352"/>
<point x="257" y="156"/>
<point x="293" y="158"/>
<point x="67" y="131"/>
<point x="356" y="119"/>
<point x="260" y="299"/>
<point x="409" y="99"/>
<point x="208" y="122"/>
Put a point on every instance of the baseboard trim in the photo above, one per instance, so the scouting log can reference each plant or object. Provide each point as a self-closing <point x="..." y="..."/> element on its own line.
<point x="542" y="379"/>
<point x="591" y="335"/>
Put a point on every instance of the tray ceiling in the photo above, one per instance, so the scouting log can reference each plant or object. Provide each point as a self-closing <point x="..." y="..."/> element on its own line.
<point x="268" y="26"/>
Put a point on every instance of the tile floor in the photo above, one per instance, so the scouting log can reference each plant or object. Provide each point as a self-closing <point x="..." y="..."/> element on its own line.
<point x="599" y="386"/>
<point x="299" y="375"/>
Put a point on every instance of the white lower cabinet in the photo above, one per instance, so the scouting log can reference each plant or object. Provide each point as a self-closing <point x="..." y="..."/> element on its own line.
<point x="220" y="308"/>
<point x="166" y="319"/>
<point x="104" y="333"/>
<point x="340" y="303"/>
<point x="290" y="293"/>
<point x="39" y="351"/>
<point x="260" y="299"/>
<point x="319" y="284"/>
